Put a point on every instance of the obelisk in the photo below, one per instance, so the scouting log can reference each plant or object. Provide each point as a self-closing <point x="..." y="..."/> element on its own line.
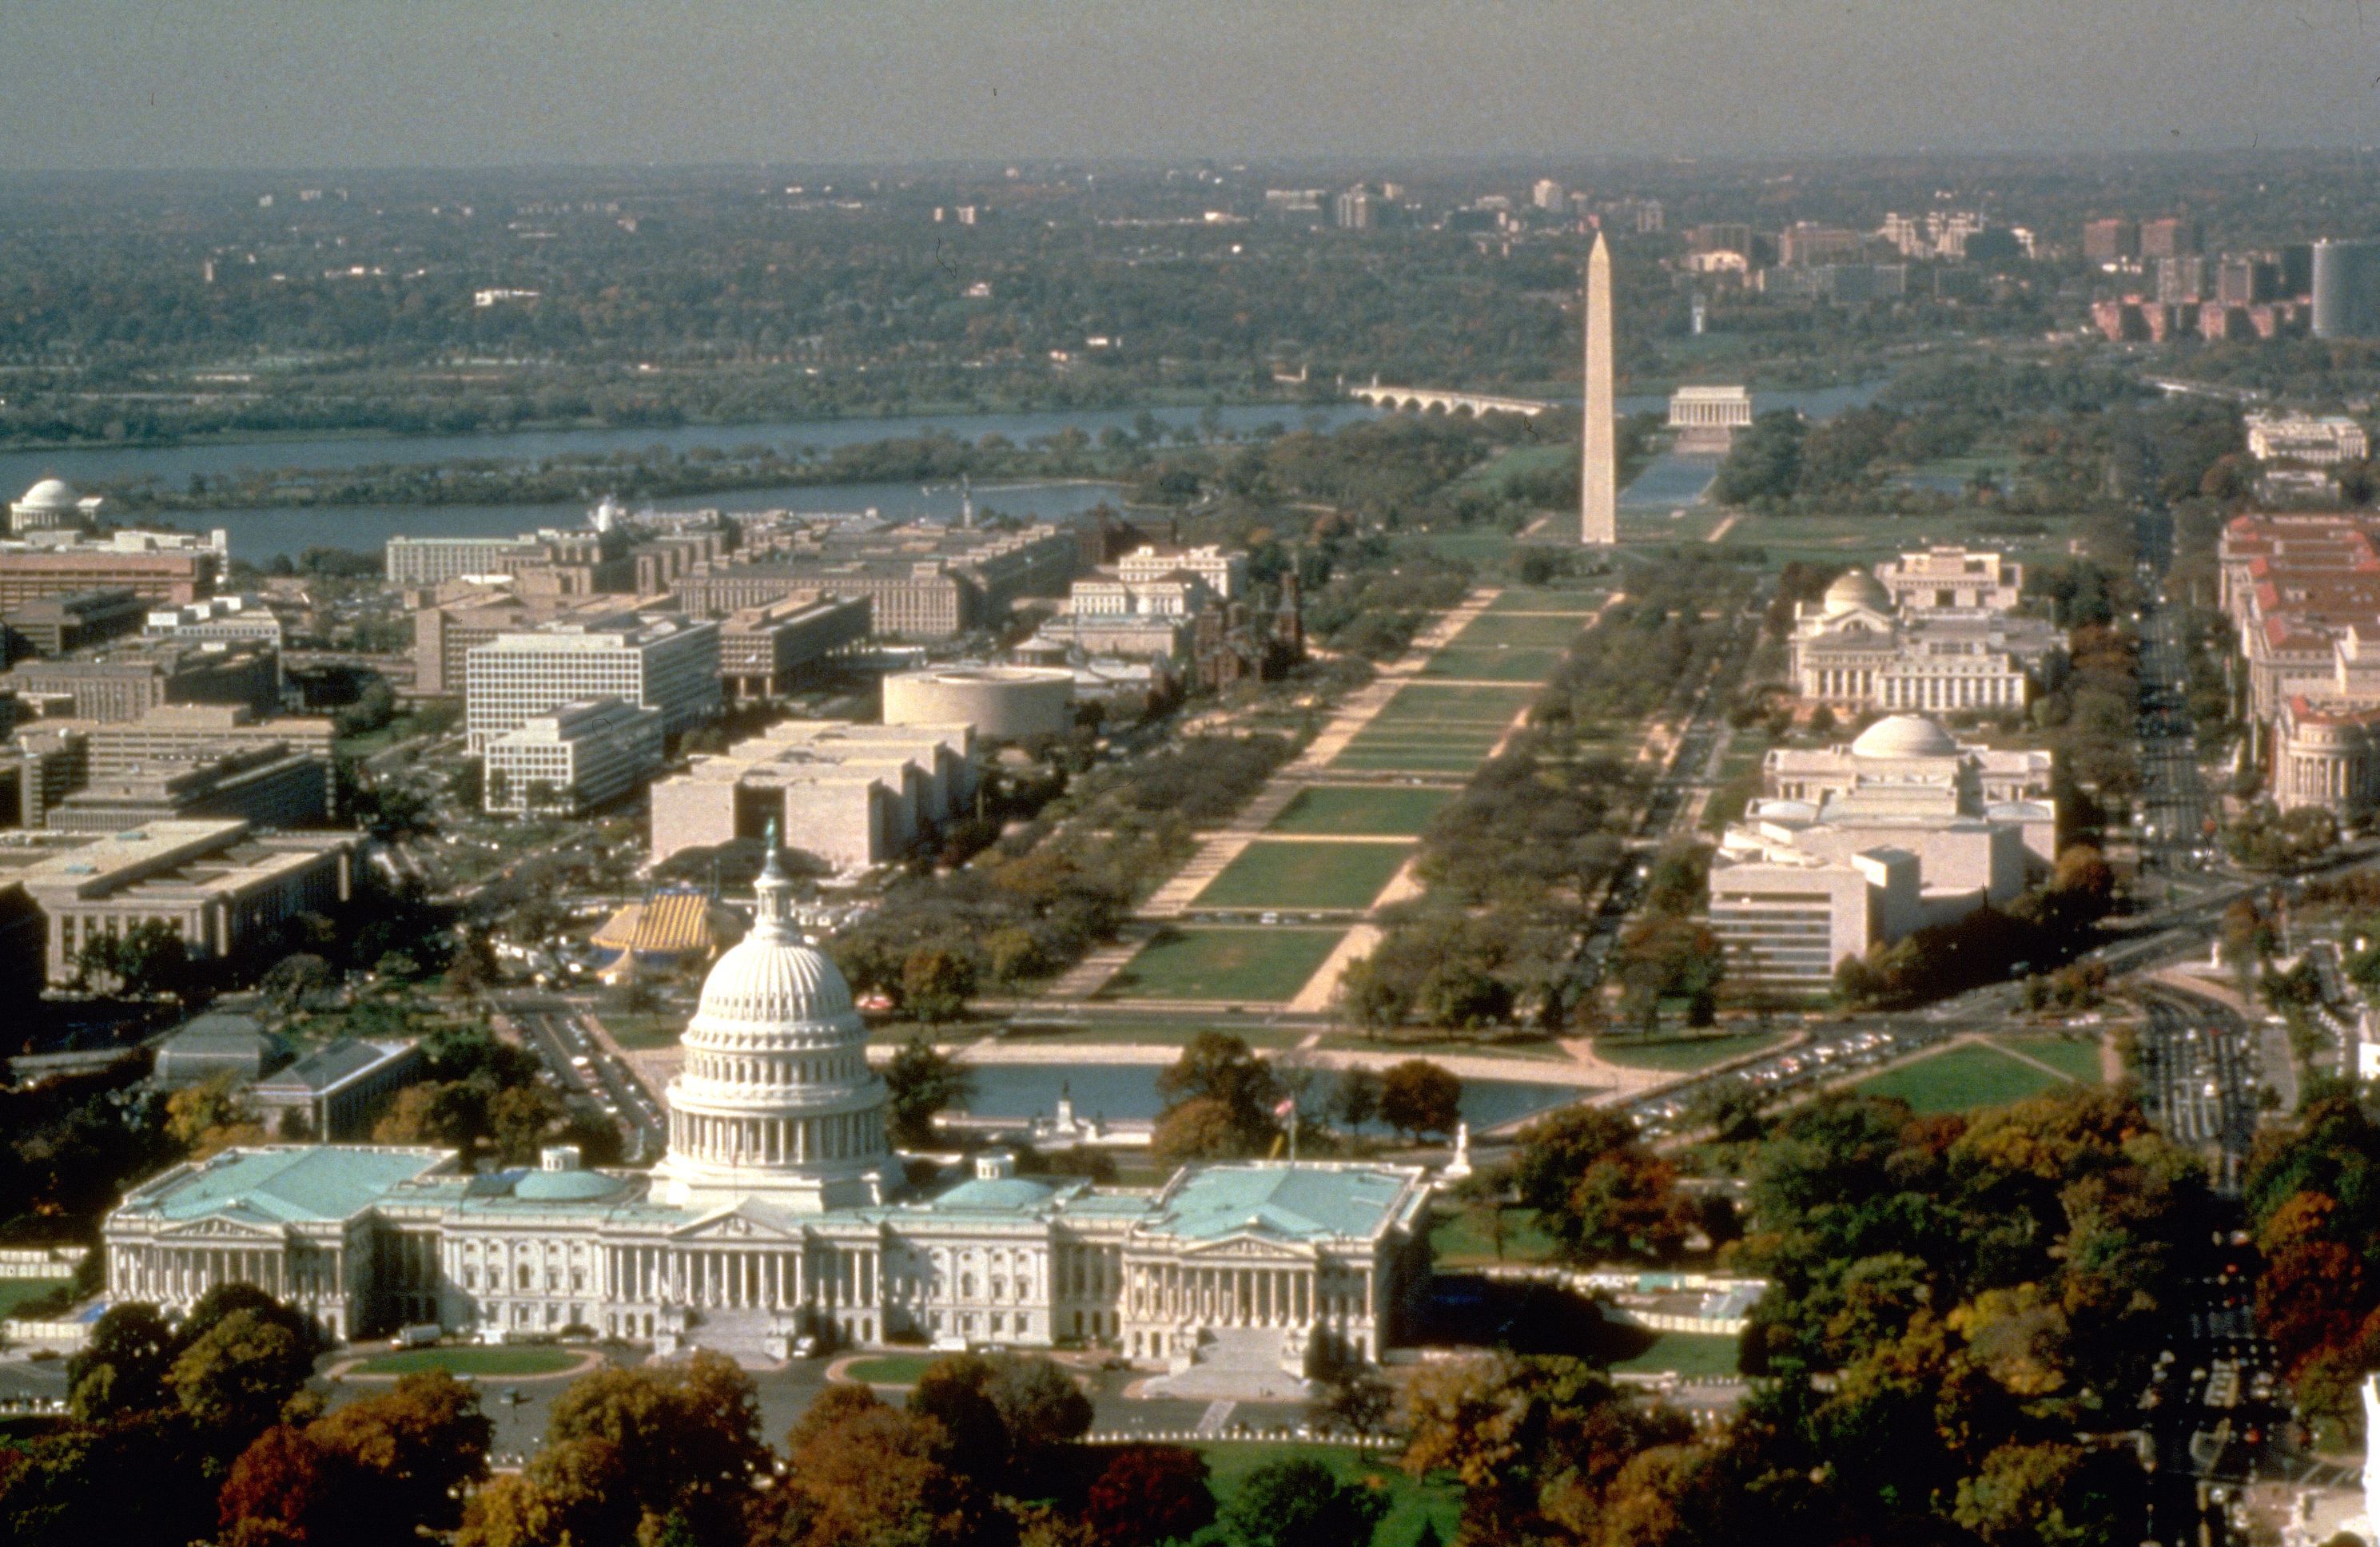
<point x="1598" y="474"/>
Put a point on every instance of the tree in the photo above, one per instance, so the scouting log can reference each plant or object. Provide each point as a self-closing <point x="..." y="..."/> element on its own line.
<point x="414" y="1451"/>
<point x="1042" y="1409"/>
<point x="234" y="1378"/>
<point x="1418" y="1098"/>
<point x="936" y="984"/>
<point x="293" y="980"/>
<point x="215" y="1115"/>
<point x="1597" y="1189"/>
<point x="954" y="1392"/>
<point x="520" y="1120"/>
<point x="1300" y="1502"/>
<point x="1355" y="1398"/>
<point x="1354" y="1097"/>
<point x="860" y="1473"/>
<point x="687" y="1435"/>
<point x="120" y="1371"/>
<point x="921" y="1081"/>
<point x="147" y="959"/>
<point x="1148" y="1494"/>
<point x="1200" y="1128"/>
<point x="1223" y="1069"/>
<point x="573" y="1491"/>
<point x="285" y="1488"/>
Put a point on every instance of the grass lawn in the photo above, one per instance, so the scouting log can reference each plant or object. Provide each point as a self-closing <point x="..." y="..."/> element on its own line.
<point x="2077" y="1057"/>
<point x="640" y="1031"/>
<point x="529" y="1359"/>
<point x="1490" y="629"/>
<point x="1680" y="1054"/>
<point x="890" y="1370"/>
<point x="1290" y="873"/>
<point x="1224" y="963"/>
<point x="1688" y="1354"/>
<point x="1960" y="1079"/>
<point x="14" y="1292"/>
<point x="1344" y="809"/>
<point x="1424" y="704"/>
<point x="1410" y="759"/>
<point x="1155" y="1030"/>
<point x="1480" y="548"/>
<point x="1493" y="663"/>
<point x="1458" y="1237"/>
<point x="1411" y="1502"/>
<point x="1522" y="599"/>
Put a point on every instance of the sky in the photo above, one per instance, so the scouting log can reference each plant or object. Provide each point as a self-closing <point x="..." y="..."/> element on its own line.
<point x="103" y="84"/>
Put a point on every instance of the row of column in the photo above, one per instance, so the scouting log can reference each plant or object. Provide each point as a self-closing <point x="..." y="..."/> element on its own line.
<point x="1242" y="1297"/>
<point x="2318" y="778"/>
<point x="1954" y="692"/>
<point x="775" y="1141"/>
<point x="1842" y="682"/>
<point x="735" y="1277"/>
<point x="175" y="1275"/>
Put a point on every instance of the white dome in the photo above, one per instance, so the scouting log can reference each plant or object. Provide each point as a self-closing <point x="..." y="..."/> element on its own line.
<point x="1857" y="588"/>
<point x="51" y="494"/>
<point x="775" y="1099"/>
<point x="1904" y="736"/>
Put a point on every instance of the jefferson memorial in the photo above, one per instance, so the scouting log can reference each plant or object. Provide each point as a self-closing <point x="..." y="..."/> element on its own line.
<point x="778" y="1213"/>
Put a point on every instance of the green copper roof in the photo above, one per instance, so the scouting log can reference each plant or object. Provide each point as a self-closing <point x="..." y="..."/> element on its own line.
<point x="1292" y="1202"/>
<point x="287" y="1186"/>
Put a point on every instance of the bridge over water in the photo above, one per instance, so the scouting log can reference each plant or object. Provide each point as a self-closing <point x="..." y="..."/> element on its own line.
<point x="1423" y="399"/>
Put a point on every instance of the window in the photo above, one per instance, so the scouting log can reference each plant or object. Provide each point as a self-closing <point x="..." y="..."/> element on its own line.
<point x="527" y="1279"/>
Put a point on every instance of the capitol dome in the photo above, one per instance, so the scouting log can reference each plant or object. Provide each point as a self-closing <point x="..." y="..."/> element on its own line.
<point x="1855" y="588"/>
<point x="1904" y="736"/>
<point x="776" y="1100"/>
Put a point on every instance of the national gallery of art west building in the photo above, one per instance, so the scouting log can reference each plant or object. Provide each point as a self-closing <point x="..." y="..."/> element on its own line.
<point x="778" y="1211"/>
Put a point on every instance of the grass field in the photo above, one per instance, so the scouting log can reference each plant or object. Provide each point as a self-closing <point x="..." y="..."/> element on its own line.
<point x="1960" y="1079"/>
<point x="1493" y="663"/>
<point x="14" y="1292"/>
<point x="1678" y="1055"/>
<point x="1411" y="1501"/>
<point x="1348" y="810"/>
<point x="1690" y="1354"/>
<point x="1520" y="599"/>
<point x="1420" y="704"/>
<point x="1457" y="1238"/>
<point x="529" y="1361"/>
<point x="637" y="1031"/>
<point x="2077" y="1057"/>
<point x="1224" y="963"/>
<point x="1490" y="629"/>
<point x="890" y="1370"/>
<point x="1290" y="873"/>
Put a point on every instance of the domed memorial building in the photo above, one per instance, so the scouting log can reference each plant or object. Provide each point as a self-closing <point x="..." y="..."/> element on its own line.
<point x="779" y="1214"/>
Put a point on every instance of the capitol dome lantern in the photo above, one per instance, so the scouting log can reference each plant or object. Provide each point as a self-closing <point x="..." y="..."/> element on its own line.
<point x="775" y="1101"/>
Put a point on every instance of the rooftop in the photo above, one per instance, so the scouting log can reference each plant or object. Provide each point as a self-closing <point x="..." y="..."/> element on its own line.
<point x="329" y="1067"/>
<point x="1309" y="1203"/>
<point x="315" y="1183"/>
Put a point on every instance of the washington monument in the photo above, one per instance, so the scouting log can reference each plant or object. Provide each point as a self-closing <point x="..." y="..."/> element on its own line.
<point x="1599" y="493"/>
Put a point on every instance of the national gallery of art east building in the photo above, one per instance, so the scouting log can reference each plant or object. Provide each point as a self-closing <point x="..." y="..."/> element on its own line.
<point x="778" y="1213"/>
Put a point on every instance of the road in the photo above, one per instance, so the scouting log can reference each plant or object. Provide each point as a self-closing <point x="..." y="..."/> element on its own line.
<point x="555" y="1029"/>
<point x="2178" y="815"/>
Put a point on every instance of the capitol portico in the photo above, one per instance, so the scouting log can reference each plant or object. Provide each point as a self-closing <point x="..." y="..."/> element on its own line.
<point x="778" y="1213"/>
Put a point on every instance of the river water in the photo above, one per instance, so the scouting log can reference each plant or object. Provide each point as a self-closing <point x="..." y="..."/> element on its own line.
<point x="259" y="535"/>
<point x="1119" y="1091"/>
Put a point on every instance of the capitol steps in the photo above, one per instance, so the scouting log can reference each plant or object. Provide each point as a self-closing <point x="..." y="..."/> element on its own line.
<point x="1238" y="1364"/>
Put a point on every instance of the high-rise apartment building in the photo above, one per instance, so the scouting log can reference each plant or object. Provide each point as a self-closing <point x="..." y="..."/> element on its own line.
<point x="2112" y="240"/>
<point x="2347" y="289"/>
<point x="658" y="660"/>
<point x="2169" y="236"/>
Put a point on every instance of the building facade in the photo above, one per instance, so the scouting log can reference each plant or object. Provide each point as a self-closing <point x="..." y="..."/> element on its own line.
<point x="656" y="660"/>
<point x="778" y="1213"/>
<point x="764" y="652"/>
<point x="224" y="889"/>
<point x="579" y="755"/>
<point x="1859" y="649"/>
<point x="853" y="795"/>
<point x="1860" y="845"/>
<point x="127" y="683"/>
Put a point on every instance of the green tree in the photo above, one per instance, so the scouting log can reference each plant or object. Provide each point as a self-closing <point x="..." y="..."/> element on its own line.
<point x="936" y="984"/>
<point x="1599" y="1191"/>
<point x="919" y="1083"/>
<point x="1300" y="1502"/>
<point x="120" y="1371"/>
<point x="235" y="1378"/>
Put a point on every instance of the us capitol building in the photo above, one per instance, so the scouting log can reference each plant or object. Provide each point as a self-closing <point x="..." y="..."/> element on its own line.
<point x="778" y="1213"/>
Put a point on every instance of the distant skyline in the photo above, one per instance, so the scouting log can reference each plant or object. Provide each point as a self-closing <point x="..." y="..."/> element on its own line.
<point x="136" y="84"/>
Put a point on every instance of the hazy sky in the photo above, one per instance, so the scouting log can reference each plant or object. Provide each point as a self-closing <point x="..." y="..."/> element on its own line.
<point x="235" y="83"/>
